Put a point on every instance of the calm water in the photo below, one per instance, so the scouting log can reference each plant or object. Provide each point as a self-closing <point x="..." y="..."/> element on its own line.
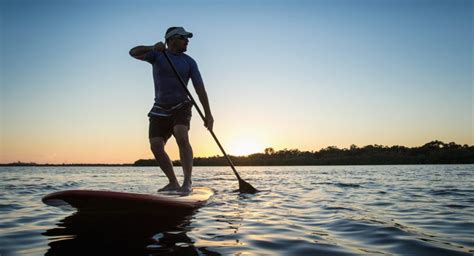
<point x="310" y="210"/>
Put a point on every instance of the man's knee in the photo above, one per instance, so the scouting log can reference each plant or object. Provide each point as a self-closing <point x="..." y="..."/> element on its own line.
<point x="157" y="145"/>
<point x="181" y="134"/>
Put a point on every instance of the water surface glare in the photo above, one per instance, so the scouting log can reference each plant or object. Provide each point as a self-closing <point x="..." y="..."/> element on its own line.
<point x="302" y="210"/>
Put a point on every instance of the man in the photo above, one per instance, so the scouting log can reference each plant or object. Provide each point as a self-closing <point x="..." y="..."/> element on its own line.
<point x="171" y="112"/>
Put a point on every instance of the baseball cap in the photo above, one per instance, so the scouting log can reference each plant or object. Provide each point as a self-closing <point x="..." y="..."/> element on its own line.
<point x="178" y="31"/>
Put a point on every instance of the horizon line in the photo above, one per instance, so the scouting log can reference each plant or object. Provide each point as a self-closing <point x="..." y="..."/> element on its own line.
<point x="21" y="163"/>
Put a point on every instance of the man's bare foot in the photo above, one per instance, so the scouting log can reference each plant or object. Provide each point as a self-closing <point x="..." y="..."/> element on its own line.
<point x="186" y="187"/>
<point x="169" y="187"/>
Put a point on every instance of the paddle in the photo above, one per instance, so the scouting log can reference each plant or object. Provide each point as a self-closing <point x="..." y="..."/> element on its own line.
<point x="244" y="187"/>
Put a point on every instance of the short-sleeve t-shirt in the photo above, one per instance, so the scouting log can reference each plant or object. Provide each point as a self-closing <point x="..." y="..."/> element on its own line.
<point x="168" y="90"/>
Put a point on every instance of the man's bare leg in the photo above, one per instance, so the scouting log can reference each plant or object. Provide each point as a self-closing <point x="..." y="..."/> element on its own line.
<point x="180" y="132"/>
<point x="158" y="148"/>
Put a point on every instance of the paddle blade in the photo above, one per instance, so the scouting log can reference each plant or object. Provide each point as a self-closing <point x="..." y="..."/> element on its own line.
<point x="246" y="188"/>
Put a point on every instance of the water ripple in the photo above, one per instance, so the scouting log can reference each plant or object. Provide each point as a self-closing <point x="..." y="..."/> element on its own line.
<point x="309" y="210"/>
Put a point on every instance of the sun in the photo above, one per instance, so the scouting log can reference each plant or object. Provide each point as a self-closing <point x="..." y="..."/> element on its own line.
<point x="242" y="147"/>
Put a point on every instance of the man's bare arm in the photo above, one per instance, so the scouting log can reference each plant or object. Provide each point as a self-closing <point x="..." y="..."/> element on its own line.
<point x="140" y="51"/>
<point x="201" y="92"/>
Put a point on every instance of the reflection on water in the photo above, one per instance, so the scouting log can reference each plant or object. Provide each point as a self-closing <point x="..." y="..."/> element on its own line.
<point x="302" y="210"/>
<point x="84" y="233"/>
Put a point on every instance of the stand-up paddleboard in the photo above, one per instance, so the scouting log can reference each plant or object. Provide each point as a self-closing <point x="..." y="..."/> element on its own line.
<point x="159" y="203"/>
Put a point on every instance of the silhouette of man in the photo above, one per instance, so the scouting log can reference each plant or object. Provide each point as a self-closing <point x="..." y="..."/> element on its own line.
<point x="171" y="112"/>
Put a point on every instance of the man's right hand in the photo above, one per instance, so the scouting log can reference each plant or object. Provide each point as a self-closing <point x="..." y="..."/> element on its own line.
<point x="160" y="46"/>
<point x="209" y="122"/>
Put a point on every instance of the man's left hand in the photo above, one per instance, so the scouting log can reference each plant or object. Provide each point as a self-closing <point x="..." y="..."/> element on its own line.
<point x="160" y="46"/>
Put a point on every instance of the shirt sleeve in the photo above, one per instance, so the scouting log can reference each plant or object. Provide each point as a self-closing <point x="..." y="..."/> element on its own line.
<point x="150" y="57"/>
<point x="195" y="74"/>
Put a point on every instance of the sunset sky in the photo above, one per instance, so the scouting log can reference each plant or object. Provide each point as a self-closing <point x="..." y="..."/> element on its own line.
<point x="281" y="74"/>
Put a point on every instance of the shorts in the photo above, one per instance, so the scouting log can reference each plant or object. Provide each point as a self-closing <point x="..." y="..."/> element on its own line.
<point x="163" y="126"/>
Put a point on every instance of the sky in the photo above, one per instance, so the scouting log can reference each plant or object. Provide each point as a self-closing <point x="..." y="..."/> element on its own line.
<point x="283" y="74"/>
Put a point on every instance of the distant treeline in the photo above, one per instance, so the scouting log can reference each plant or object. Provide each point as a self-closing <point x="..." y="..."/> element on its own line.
<point x="434" y="152"/>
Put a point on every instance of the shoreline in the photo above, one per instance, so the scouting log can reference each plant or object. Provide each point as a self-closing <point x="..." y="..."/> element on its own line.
<point x="132" y="165"/>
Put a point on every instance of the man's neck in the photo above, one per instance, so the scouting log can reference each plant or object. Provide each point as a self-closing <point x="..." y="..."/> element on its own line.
<point x="174" y="50"/>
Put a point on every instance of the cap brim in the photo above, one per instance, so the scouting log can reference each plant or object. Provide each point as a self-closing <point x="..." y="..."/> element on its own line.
<point x="187" y="34"/>
<point x="178" y="32"/>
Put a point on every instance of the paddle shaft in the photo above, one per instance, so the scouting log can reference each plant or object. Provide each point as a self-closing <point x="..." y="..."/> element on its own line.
<point x="183" y="84"/>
